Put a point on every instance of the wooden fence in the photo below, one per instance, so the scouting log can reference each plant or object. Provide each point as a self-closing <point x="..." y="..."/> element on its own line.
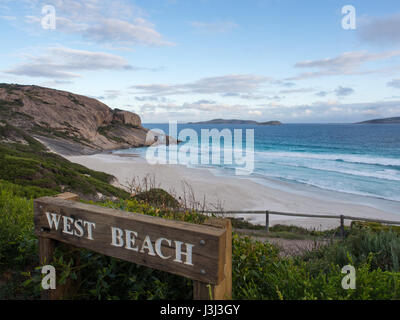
<point x="267" y="213"/>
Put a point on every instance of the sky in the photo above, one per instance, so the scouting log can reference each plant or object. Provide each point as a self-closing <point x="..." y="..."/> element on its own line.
<point x="308" y="61"/>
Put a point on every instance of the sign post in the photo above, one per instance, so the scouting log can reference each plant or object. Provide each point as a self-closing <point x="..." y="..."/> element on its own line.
<point x="46" y="250"/>
<point x="202" y="253"/>
<point x="222" y="291"/>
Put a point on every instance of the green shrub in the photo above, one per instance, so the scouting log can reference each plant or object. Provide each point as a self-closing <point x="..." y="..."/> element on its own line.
<point x="384" y="247"/>
<point x="17" y="241"/>
<point x="374" y="226"/>
<point x="32" y="165"/>
<point x="158" y="197"/>
<point x="133" y="205"/>
<point x="259" y="273"/>
<point x="103" y="277"/>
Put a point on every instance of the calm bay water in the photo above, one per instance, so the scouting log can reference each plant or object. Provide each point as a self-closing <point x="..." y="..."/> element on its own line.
<point x="356" y="159"/>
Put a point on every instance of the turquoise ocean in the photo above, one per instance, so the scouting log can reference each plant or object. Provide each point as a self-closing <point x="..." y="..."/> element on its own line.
<point x="350" y="158"/>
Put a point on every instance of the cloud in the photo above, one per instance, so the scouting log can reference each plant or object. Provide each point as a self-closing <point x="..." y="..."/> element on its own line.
<point x="395" y="83"/>
<point x="361" y="110"/>
<point x="299" y="90"/>
<point x="65" y="25"/>
<point x="125" y="33"/>
<point x="191" y="107"/>
<point x="348" y="63"/>
<point x="251" y="96"/>
<point x="117" y="22"/>
<point x="339" y="92"/>
<point x="231" y="83"/>
<point x="214" y="27"/>
<point x="321" y="111"/>
<point x="380" y="30"/>
<point x="151" y="98"/>
<point x="55" y="83"/>
<point x="342" y="91"/>
<point x="332" y="111"/>
<point x="8" y="18"/>
<point x="205" y="102"/>
<point x="110" y="95"/>
<point x="255" y="112"/>
<point x="230" y="94"/>
<point x="288" y="84"/>
<point x="322" y="93"/>
<point x="63" y="63"/>
<point x="226" y="85"/>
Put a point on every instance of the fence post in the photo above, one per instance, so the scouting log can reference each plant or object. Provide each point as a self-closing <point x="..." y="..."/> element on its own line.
<point x="342" y="225"/>
<point x="267" y="221"/>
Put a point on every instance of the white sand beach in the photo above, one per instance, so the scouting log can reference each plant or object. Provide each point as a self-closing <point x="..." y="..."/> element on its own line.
<point x="236" y="193"/>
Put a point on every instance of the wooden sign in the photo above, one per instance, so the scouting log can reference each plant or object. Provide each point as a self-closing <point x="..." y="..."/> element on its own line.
<point x="196" y="252"/>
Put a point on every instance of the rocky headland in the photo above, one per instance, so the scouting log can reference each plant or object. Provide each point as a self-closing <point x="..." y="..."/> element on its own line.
<point x="68" y="123"/>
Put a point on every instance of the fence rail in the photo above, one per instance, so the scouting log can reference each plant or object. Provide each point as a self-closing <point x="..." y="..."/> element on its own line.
<point x="342" y="218"/>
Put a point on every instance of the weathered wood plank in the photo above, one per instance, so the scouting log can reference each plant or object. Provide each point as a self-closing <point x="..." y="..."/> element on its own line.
<point x="150" y="241"/>
<point x="222" y="291"/>
<point x="46" y="251"/>
<point x="68" y="196"/>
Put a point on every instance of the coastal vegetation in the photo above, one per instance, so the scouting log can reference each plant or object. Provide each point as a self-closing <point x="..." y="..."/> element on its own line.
<point x="29" y="164"/>
<point x="259" y="271"/>
<point x="158" y="197"/>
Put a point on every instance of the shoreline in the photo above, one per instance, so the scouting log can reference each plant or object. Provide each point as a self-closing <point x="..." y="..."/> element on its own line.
<point x="248" y="194"/>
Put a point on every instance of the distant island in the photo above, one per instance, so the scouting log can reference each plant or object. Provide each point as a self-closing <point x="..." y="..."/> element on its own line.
<point x="395" y="120"/>
<point x="235" y="121"/>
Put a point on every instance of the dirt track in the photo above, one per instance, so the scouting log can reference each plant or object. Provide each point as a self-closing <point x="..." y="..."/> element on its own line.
<point x="289" y="247"/>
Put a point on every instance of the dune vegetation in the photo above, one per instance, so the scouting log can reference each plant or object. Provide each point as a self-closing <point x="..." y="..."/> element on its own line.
<point x="29" y="164"/>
